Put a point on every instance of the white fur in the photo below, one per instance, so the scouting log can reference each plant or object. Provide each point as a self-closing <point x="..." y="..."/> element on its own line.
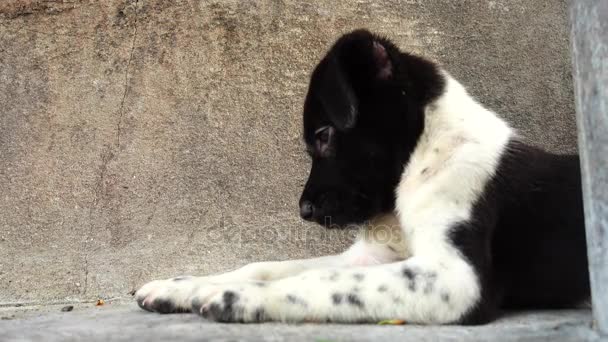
<point x="459" y="151"/>
<point x="456" y="156"/>
<point x="371" y="248"/>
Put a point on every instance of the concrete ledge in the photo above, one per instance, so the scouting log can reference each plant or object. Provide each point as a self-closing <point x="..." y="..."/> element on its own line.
<point x="126" y="322"/>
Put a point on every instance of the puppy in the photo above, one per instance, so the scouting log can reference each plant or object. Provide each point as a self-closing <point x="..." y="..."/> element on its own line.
<point x="476" y="219"/>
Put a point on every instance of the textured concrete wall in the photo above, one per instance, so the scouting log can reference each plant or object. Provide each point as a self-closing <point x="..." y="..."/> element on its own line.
<point x="143" y="139"/>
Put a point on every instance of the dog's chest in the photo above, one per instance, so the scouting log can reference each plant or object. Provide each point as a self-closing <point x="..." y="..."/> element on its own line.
<point x="456" y="156"/>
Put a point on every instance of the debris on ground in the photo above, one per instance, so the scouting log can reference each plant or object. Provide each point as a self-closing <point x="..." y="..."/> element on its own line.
<point x="67" y="308"/>
<point x="392" y="322"/>
<point x="100" y="302"/>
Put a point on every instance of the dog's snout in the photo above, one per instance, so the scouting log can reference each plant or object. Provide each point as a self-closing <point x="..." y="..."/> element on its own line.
<point x="306" y="210"/>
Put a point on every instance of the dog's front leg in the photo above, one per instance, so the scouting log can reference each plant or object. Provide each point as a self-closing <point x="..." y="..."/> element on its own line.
<point x="416" y="290"/>
<point x="176" y="294"/>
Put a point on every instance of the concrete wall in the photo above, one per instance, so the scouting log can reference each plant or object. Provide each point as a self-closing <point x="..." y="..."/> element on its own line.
<point x="144" y="139"/>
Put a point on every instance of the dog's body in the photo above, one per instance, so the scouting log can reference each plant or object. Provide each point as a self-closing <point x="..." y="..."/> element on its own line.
<point x="462" y="218"/>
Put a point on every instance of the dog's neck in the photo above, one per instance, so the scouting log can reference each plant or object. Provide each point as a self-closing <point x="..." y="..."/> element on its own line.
<point x="456" y="154"/>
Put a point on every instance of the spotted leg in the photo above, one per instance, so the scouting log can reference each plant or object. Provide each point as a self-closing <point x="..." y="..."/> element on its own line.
<point x="175" y="294"/>
<point x="416" y="290"/>
<point x="380" y="243"/>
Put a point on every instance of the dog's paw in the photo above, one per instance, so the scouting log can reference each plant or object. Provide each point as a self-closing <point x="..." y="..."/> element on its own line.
<point x="168" y="296"/>
<point x="243" y="304"/>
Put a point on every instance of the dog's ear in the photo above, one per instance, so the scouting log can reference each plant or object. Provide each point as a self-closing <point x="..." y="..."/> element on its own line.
<point x="337" y="96"/>
<point x="366" y="54"/>
<point x="382" y="62"/>
<point x="357" y="61"/>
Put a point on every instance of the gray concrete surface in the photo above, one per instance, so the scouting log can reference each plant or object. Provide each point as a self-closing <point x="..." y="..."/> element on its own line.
<point x="590" y="60"/>
<point x="129" y="323"/>
<point x="144" y="139"/>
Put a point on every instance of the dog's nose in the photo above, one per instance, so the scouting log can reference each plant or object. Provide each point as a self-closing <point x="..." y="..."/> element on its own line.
<point x="306" y="210"/>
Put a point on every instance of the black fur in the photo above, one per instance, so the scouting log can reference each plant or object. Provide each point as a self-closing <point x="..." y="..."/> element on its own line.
<point x="409" y="274"/>
<point x="295" y="300"/>
<point x="163" y="305"/>
<point x="526" y="239"/>
<point x="160" y="305"/>
<point x="363" y="116"/>
<point x="181" y="278"/>
<point x="336" y="298"/>
<point x="445" y="297"/>
<point x="344" y="184"/>
<point x="196" y="304"/>
<point x="411" y="285"/>
<point x="227" y="312"/>
<point x="353" y="299"/>
<point x="259" y="315"/>
<point x="429" y="286"/>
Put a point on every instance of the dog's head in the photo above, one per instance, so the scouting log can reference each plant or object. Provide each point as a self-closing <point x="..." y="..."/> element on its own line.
<point x="363" y="115"/>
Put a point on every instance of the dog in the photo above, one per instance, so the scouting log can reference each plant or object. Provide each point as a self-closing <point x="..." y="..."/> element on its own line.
<point x="479" y="221"/>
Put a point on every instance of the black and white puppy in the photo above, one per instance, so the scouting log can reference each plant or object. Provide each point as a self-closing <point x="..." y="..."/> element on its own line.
<point x="476" y="220"/>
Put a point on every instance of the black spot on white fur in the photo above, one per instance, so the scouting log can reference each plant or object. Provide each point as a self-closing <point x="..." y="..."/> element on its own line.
<point x="445" y="297"/>
<point x="230" y="298"/>
<point x="354" y="299"/>
<point x="181" y="278"/>
<point x="429" y="282"/>
<point x="336" y="298"/>
<point x="162" y="305"/>
<point x="296" y="300"/>
<point x="409" y="273"/>
<point x="225" y="312"/>
<point x="411" y="285"/>
<point x="196" y="305"/>
<point x="259" y="315"/>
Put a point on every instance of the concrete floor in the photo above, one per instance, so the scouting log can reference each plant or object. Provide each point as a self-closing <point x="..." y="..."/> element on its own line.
<point x="124" y="321"/>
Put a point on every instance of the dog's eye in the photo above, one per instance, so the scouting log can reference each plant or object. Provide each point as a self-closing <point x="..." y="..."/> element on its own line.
<point x="322" y="134"/>
<point x="323" y="138"/>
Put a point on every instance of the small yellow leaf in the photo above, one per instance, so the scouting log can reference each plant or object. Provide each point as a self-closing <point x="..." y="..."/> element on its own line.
<point x="100" y="302"/>
<point x="392" y="322"/>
